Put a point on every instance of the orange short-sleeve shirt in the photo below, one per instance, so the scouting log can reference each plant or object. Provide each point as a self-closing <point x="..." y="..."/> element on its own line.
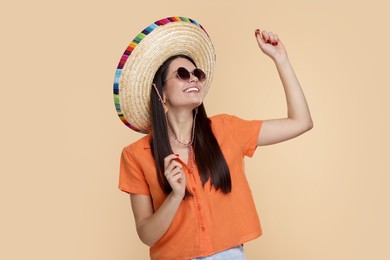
<point x="209" y="221"/>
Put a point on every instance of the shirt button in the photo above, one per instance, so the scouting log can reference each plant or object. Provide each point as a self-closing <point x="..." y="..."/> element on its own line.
<point x="194" y="189"/>
<point x="199" y="207"/>
<point x="203" y="228"/>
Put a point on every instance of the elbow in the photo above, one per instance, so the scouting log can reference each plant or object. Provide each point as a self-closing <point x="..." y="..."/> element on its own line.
<point x="305" y="126"/>
<point x="146" y="241"/>
<point x="309" y="125"/>
<point x="146" y="237"/>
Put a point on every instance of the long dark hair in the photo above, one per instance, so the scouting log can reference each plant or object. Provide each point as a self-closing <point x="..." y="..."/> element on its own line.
<point x="208" y="155"/>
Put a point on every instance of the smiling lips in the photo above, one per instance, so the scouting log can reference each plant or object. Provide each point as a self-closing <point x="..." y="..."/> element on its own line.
<point x="191" y="89"/>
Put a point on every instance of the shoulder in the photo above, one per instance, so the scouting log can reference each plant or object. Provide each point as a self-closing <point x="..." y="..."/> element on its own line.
<point x="221" y="125"/>
<point x="224" y="120"/>
<point x="138" y="147"/>
<point x="220" y="119"/>
<point x="235" y="127"/>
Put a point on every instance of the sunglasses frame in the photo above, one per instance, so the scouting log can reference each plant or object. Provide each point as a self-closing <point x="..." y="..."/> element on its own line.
<point x="201" y="74"/>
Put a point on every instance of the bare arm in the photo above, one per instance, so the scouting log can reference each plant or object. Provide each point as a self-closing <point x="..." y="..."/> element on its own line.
<point x="152" y="226"/>
<point x="298" y="118"/>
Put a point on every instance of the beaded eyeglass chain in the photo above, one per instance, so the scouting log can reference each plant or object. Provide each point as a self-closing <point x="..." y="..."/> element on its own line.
<point x="191" y="153"/>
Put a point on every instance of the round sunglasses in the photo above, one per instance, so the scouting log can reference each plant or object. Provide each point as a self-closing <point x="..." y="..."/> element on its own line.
<point x="184" y="74"/>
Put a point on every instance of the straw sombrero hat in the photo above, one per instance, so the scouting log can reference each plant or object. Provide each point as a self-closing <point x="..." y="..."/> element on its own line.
<point x="146" y="53"/>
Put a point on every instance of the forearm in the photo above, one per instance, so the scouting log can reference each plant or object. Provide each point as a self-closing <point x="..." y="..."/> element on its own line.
<point x="151" y="229"/>
<point x="297" y="107"/>
<point x="298" y="118"/>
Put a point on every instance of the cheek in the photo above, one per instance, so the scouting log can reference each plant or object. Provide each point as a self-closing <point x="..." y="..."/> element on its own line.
<point x="203" y="91"/>
<point x="168" y="91"/>
<point x="172" y="92"/>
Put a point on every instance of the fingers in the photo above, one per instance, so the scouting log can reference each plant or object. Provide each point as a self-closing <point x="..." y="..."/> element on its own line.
<point x="176" y="178"/>
<point x="173" y="169"/>
<point x="264" y="37"/>
<point x="176" y="175"/>
<point x="169" y="158"/>
<point x="170" y="162"/>
<point x="259" y="39"/>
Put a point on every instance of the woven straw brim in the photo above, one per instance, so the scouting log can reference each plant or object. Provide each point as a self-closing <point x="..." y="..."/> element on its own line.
<point x="136" y="77"/>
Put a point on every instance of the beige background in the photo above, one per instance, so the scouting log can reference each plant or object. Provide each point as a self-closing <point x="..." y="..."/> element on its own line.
<point x="321" y="196"/>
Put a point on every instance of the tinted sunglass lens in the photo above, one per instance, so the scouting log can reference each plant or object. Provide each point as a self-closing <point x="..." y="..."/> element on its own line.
<point x="199" y="74"/>
<point x="183" y="73"/>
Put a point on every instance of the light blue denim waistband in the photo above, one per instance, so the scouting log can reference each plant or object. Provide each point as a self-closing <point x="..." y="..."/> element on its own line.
<point x="235" y="253"/>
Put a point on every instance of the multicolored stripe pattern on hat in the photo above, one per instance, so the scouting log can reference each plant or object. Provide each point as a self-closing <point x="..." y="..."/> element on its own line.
<point x="128" y="52"/>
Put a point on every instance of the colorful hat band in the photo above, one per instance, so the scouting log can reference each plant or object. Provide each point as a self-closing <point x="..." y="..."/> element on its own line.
<point x="134" y="75"/>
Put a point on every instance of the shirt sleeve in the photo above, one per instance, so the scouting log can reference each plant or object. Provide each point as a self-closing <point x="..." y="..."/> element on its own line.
<point x="244" y="133"/>
<point x="131" y="176"/>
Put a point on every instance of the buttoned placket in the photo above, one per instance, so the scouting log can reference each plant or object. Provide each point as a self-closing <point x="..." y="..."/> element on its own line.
<point x="194" y="185"/>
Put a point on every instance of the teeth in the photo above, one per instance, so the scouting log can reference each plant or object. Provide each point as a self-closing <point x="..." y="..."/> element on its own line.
<point x="191" y="89"/>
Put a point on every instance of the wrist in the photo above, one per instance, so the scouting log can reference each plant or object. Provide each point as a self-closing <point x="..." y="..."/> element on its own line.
<point x="281" y="58"/>
<point x="176" y="197"/>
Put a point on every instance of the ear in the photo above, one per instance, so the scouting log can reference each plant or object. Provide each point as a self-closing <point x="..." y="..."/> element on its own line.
<point x="163" y="94"/>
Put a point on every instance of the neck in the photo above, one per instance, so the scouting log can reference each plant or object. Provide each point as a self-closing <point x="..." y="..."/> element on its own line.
<point x="180" y="124"/>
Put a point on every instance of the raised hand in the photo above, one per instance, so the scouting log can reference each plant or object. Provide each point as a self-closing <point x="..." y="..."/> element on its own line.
<point x="271" y="45"/>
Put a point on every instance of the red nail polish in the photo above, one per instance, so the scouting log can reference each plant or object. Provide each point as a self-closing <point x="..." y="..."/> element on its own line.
<point x="268" y="41"/>
<point x="274" y="43"/>
<point x="177" y="154"/>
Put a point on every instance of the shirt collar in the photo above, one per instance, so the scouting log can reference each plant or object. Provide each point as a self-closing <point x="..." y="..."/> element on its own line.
<point x="146" y="141"/>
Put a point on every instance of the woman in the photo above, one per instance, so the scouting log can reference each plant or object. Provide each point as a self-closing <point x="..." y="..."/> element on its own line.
<point x="186" y="180"/>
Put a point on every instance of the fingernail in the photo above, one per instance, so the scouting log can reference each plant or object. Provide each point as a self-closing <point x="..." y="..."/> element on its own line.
<point x="268" y="41"/>
<point x="257" y="31"/>
<point x="177" y="154"/>
<point x="274" y="43"/>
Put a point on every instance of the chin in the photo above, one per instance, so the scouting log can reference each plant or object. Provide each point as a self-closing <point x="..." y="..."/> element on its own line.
<point x="194" y="105"/>
<point x="197" y="103"/>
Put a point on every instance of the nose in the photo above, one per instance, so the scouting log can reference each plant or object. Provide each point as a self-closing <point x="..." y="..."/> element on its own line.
<point x="193" y="78"/>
